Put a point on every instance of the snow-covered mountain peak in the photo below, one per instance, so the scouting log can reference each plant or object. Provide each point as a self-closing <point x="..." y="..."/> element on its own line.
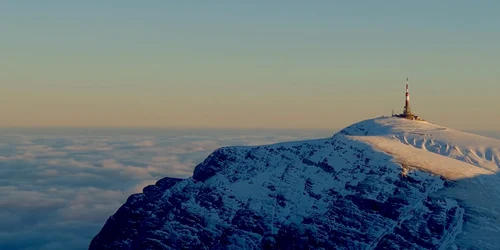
<point x="393" y="126"/>
<point x="362" y="188"/>
<point x="420" y="143"/>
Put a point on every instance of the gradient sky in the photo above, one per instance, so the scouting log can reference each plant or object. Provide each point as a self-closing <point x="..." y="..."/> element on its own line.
<point x="235" y="64"/>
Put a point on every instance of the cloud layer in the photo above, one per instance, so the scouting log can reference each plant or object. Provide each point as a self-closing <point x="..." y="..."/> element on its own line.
<point x="58" y="188"/>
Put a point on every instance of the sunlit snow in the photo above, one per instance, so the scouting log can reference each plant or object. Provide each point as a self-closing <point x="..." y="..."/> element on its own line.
<point x="470" y="160"/>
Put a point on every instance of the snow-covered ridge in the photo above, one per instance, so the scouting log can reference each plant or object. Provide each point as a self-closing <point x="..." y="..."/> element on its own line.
<point x="421" y="137"/>
<point x="359" y="189"/>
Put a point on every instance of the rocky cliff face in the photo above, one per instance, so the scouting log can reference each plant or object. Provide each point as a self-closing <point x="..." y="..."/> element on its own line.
<point x="333" y="193"/>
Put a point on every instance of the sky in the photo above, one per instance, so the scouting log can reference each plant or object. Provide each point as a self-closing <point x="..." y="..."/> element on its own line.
<point x="253" y="64"/>
<point x="58" y="187"/>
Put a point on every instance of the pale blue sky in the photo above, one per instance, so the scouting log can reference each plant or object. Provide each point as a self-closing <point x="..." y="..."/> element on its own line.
<point x="293" y="64"/>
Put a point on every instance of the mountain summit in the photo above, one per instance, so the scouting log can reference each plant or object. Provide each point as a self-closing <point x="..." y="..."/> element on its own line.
<point x="384" y="183"/>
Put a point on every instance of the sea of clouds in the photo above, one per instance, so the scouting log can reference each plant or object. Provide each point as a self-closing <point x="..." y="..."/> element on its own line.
<point x="59" y="186"/>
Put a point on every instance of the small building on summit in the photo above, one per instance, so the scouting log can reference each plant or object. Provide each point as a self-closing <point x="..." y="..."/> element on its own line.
<point x="407" y="114"/>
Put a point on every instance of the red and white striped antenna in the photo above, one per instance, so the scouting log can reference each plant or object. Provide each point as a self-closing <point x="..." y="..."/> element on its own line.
<point x="407" y="92"/>
<point x="407" y="102"/>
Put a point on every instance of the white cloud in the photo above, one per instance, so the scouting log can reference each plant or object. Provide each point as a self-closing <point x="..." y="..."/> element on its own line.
<point x="132" y="171"/>
<point x="98" y="147"/>
<point x="49" y="172"/>
<point x="28" y="200"/>
<point x="57" y="191"/>
<point x="193" y="146"/>
<point x="40" y="151"/>
<point x="140" y="186"/>
<point x="145" y="143"/>
<point x="68" y="162"/>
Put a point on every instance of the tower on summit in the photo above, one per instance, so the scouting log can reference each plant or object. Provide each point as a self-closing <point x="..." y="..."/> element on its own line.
<point x="407" y="110"/>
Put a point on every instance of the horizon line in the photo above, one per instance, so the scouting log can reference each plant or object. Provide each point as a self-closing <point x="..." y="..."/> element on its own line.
<point x="163" y="128"/>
